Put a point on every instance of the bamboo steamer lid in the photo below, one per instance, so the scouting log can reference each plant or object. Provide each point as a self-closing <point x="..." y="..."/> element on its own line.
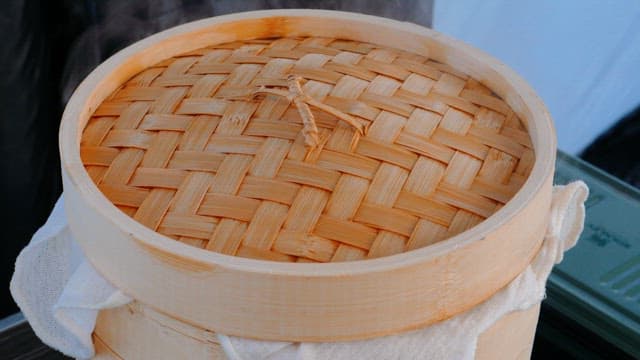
<point x="306" y="149"/>
<point x="296" y="136"/>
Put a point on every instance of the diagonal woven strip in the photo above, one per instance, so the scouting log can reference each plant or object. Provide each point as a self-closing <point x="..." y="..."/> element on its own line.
<point x="183" y="149"/>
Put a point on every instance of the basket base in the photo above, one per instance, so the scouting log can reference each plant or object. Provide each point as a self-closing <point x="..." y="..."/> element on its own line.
<point x="137" y="332"/>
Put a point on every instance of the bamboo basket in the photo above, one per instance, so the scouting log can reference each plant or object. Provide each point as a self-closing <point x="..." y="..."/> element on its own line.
<point x="306" y="175"/>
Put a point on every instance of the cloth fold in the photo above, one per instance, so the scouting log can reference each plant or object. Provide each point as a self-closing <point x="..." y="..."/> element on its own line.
<point x="58" y="291"/>
<point x="60" y="294"/>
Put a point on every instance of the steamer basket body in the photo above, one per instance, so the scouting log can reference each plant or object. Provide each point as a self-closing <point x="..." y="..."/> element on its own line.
<point x="308" y="302"/>
<point x="158" y="336"/>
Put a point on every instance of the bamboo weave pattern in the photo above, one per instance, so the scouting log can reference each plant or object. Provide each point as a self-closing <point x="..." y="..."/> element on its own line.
<point x="183" y="150"/>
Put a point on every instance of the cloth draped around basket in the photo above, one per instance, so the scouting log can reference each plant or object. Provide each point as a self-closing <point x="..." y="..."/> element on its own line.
<point x="60" y="294"/>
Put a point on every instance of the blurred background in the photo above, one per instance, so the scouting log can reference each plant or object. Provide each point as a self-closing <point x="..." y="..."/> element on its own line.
<point x="581" y="56"/>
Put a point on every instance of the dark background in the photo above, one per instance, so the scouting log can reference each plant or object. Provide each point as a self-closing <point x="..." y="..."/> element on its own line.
<point x="48" y="47"/>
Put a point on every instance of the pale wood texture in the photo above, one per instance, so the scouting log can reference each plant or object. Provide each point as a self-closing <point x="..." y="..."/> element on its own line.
<point x="300" y="301"/>
<point x="134" y="332"/>
<point x="511" y="337"/>
<point x="137" y="332"/>
<point x="441" y="152"/>
<point x="103" y="351"/>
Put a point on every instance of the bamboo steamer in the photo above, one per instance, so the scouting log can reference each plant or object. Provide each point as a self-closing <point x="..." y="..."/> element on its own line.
<point x="396" y="176"/>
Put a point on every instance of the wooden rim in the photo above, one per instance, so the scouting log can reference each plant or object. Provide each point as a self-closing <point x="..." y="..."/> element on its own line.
<point x="108" y="76"/>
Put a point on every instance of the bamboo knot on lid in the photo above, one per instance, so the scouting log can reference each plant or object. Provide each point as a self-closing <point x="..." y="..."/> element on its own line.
<point x="302" y="102"/>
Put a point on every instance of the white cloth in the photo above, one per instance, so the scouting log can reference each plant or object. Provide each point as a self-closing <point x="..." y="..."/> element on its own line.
<point x="60" y="294"/>
<point x="58" y="291"/>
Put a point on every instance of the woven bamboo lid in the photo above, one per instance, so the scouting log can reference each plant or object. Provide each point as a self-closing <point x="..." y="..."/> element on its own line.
<point x="409" y="150"/>
<point x="306" y="149"/>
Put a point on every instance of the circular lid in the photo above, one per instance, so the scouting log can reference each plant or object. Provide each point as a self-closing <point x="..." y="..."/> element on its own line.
<point x="306" y="149"/>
